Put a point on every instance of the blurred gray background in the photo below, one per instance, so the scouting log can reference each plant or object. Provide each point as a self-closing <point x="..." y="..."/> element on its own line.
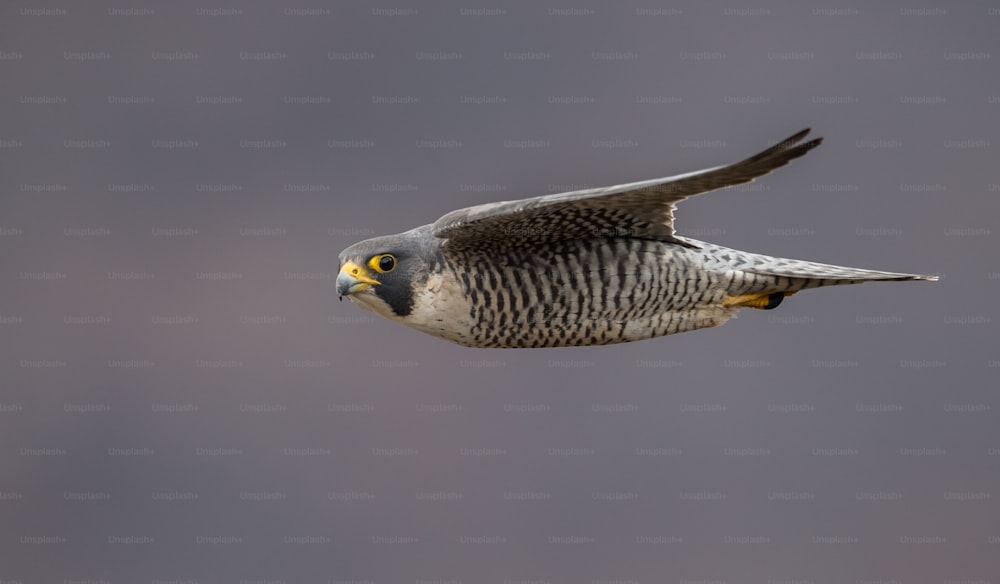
<point x="182" y="398"/>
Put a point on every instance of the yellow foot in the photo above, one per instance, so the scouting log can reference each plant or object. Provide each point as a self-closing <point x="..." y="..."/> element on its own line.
<point x="762" y="301"/>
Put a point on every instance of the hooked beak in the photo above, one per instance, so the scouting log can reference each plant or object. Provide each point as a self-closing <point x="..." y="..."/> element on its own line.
<point x="352" y="279"/>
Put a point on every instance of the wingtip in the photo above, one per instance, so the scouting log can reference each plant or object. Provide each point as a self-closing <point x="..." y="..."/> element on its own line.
<point x="794" y="142"/>
<point x="812" y="143"/>
<point x="798" y="136"/>
<point x="792" y="147"/>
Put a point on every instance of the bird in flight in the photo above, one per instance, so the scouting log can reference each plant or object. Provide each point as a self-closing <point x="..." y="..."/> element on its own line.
<point x="589" y="267"/>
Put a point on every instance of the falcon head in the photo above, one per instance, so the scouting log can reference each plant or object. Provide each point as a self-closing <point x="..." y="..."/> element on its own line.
<point x="383" y="274"/>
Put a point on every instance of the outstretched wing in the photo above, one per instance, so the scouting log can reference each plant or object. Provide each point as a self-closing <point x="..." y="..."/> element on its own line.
<point x="640" y="209"/>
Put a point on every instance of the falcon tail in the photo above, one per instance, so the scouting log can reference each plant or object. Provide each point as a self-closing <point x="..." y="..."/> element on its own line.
<point x="780" y="277"/>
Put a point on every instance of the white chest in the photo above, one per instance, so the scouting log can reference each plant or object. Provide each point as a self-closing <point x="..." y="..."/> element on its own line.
<point x="440" y="308"/>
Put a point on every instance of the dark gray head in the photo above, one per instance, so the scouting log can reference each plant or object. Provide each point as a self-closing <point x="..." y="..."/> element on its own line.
<point x="381" y="273"/>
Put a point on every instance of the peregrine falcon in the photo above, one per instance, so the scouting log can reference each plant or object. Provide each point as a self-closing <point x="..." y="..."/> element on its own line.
<point x="590" y="267"/>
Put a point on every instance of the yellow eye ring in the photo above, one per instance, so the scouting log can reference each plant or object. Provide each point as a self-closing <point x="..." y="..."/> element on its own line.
<point x="382" y="263"/>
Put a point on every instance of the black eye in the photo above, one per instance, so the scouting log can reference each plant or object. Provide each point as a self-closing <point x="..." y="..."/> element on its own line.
<point x="386" y="263"/>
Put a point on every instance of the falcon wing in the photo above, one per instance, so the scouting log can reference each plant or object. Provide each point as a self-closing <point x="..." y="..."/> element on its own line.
<point x="640" y="209"/>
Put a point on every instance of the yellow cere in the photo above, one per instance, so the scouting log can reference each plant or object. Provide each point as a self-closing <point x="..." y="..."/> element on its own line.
<point x="359" y="273"/>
